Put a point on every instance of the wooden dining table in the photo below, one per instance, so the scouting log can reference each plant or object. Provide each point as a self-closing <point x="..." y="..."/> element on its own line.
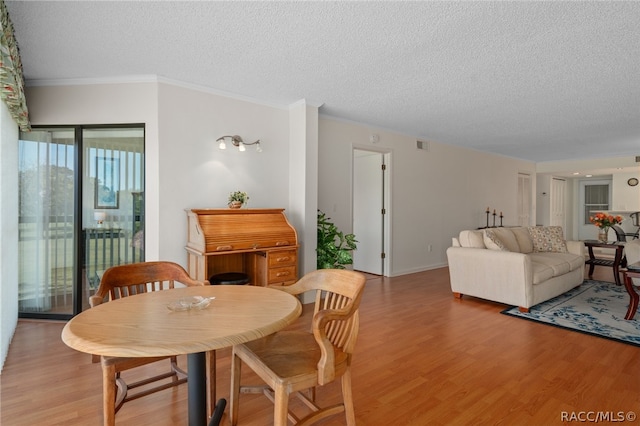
<point x="144" y="326"/>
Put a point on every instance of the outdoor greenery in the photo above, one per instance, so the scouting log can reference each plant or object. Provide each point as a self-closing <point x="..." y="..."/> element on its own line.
<point x="334" y="247"/>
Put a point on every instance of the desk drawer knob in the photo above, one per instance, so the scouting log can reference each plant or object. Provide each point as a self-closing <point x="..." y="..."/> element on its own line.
<point x="283" y="259"/>
<point x="282" y="274"/>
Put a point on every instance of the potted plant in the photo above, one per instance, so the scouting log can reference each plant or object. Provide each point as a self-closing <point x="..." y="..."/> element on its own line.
<point x="334" y="247"/>
<point x="237" y="199"/>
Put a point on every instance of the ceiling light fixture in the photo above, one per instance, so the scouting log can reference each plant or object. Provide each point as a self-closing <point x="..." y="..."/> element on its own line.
<point x="237" y="142"/>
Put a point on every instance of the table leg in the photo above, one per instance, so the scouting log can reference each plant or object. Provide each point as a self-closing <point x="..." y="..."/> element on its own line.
<point x="591" y="265"/>
<point x="633" y="298"/>
<point x="197" y="392"/>
<point x="197" y="389"/>
<point x="616" y="265"/>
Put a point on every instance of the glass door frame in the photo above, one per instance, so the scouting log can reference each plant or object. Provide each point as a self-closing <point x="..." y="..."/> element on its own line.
<point x="78" y="296"/>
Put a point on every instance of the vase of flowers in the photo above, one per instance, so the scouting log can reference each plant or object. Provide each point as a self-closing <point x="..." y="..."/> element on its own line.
<point x="604" y="222"/>
<point x="237" y="199"/>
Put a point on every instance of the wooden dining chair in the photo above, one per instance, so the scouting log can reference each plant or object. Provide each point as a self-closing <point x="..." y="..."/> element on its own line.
<point x="128" y="280"/>
<point x="294" y="361"/>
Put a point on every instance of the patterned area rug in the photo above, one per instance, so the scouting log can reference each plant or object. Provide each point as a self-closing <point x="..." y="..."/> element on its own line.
<point x="596" y="307"/>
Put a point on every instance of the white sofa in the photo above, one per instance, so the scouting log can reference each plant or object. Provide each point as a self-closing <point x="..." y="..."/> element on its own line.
<point x="520" y="266"/>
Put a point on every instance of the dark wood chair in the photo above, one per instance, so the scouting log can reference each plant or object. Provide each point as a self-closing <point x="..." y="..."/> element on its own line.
<point x="128" y="280"/>
<point x="290" y="362"/>
<point x="621" y="236"/>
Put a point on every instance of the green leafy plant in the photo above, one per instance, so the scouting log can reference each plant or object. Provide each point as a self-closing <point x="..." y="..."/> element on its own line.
<point x="238" y="196"/>
<point x="334" y="247"/>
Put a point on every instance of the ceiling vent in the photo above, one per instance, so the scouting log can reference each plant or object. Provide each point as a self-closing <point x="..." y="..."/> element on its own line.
<point x="422" y="145"/>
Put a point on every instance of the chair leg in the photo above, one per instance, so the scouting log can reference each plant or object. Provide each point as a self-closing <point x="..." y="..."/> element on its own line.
<point x="236" y="370"/>
<point x="109" y="394"/>
<point x="281" y="406"/>
<point x="347" y="395"/>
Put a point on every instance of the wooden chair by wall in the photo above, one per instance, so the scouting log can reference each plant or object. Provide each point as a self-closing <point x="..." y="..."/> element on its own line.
<point x="294" y="361"/>
<point x="127" y="280"/>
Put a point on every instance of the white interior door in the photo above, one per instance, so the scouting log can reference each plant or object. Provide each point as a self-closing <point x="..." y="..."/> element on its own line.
<point x="524" y="199"/>
<point x="368" y="204"/>
<point x="558" y="207"/>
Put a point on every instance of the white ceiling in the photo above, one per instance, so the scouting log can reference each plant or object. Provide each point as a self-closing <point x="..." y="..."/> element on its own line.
<point x="539" y="81"/>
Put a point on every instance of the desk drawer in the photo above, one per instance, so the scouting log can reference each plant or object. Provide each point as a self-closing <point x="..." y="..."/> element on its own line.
<point x="283" y="258"/>
<point x="279" y="275"/>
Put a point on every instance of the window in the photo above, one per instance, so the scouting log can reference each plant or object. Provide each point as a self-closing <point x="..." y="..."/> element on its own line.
<point x="596" y="198"/>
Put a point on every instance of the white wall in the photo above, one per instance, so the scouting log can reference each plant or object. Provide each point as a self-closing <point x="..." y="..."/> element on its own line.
<point x="194" y="173"/>
<point x="303" y="180"/>
<point x="184" y="167"/>
<point x="624" y="197"/>
<point x="109" y="104"/>
<point x="8" y="230"/>
<point x="434" y="194"/>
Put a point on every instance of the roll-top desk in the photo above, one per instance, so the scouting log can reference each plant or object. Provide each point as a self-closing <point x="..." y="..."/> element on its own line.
<point x="260" y="242"/>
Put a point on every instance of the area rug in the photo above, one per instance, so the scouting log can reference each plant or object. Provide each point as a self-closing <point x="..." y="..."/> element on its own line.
<point x="596" y="307"/>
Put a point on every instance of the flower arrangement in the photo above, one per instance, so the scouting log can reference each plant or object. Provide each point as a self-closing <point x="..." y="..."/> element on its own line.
<point x="237" y="199"/>
<point x="605" y="221"/>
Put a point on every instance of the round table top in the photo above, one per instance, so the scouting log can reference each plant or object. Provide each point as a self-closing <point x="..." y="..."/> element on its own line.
<point x="143" y="326"/>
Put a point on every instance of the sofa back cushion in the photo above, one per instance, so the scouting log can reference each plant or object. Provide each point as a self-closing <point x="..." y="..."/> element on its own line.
<point x="501" y="239"/>
<point x="471" y="239"/>
<point x="548" y="239"/>
<point x="524" y="239"/>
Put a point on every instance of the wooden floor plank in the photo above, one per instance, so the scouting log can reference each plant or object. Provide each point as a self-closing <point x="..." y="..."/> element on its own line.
<point x="422" y="358"/>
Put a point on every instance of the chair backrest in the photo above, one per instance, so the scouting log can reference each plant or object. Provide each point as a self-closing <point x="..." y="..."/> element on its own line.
<point x="135" y="278"/>
<point x="620" y="235"/>
<point x="635" y="218"/>
<point x="335" y="321"/>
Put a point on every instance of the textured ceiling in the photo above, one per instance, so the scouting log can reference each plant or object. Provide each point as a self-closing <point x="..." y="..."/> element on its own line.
<point x="539" y="81"/>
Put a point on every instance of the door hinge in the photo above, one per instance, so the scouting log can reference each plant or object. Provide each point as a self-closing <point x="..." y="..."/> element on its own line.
<point x="383" y="167"/>
<point x="383" y="255"/>
<point x="383" y="211"/>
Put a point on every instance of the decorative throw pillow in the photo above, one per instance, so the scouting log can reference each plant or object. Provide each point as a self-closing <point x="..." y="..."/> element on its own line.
<point x="492" y="241"/>
<point x="548" y="239"/>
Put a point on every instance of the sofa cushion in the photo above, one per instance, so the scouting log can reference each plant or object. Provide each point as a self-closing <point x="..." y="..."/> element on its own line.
<point x="525" y="243"/>
<point x="492" y="241"/>
<point x="541" y="272"/>
<point x="472" y="239"/>
<point x="559" y="263"/>
<point x="508" y="238"/>
<point x="548" y="239"/>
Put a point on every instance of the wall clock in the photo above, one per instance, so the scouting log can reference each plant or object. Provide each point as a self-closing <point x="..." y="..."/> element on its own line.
<point x="632" y="182"/>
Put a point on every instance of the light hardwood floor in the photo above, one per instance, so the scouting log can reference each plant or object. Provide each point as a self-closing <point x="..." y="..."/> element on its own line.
<point x="422" y="358"/>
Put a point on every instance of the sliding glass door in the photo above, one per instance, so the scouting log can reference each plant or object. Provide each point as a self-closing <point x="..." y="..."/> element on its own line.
<point x="81" y="211"/>
<point x="46" y="223"/>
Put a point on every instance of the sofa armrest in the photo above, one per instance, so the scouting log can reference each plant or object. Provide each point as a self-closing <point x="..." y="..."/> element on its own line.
<point x="577" y="247"/>
<point x="501" y="276"/>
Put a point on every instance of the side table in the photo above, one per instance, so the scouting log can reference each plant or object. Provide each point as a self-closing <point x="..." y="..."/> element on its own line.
<point x="632" y="271"/>
<point x="615" y="263"/>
